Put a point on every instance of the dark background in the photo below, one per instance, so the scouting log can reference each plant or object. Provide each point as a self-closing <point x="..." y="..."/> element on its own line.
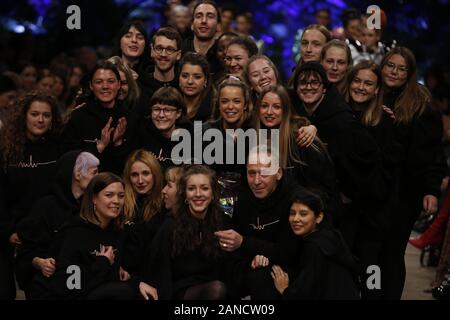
<point x="35" y="30"/>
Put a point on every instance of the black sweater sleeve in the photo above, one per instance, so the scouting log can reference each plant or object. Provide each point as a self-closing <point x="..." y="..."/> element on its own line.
<point x="93" y="271"/>
<point x="425" y="155"/>
<point x="72" y="138"/>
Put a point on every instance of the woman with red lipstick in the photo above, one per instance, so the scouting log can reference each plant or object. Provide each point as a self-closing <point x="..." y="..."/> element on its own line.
<point x="326" y="269"/>
<point x="185" y="261"/>
<point x="312" y="166"/>
<point x="419" y="130"/>
<point x="336" y="59"/>
<point x="195" y="85"/>
<point x="143" y="203"/>
<point x="29" y="149"/>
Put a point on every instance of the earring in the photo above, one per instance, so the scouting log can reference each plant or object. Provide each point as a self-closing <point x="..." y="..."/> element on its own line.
<point x="95" y="207"/>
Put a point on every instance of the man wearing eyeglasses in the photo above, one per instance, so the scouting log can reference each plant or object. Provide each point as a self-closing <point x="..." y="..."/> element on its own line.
<point x="165" y="52"/>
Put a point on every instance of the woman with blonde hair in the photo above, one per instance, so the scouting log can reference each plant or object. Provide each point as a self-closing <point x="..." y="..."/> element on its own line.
<point x="144" y="181"/>
<point x="419" y="130"/>
<point x="336" y="59"/>
<point x="312" y="166"/>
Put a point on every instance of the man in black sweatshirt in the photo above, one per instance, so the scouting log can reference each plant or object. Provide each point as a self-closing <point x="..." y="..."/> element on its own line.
<point x="261" y="225"/>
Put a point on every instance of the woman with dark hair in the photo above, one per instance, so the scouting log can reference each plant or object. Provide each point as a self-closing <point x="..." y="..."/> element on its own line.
<point x="143" y="203"/>
<point x="311" y="167"/>
<point x="28" y="77"/>
<point x="133" y="46"/>
<point x="99" y="126"/>
<point x="355" y="153"/>
<point x="195" y="85"/>
<point x="29" y="151"/>
<point x="326" y="269"/>
<point x="419" y="130"/>
<point x="91" y="243"/>
<point x="166" y="114"/>
<point x="239" y="51"/>
<point x="186" y="260"/>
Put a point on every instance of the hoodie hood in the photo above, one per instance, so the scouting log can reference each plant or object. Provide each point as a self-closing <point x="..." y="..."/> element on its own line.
<point x="62" y="187"/>
<point x="333" y="246"/>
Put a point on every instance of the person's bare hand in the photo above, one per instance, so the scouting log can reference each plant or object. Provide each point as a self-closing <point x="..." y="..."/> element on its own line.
<point x="430" y="204"/>
<point x="306" y="136"/>
<point x="148" y="291"/>
<point x="119" y="131"/>
<point x="229" y="240"/>
<point x="108" y="252"/>
<point x="389" y="111"/>
<point x="14" y="240"/>
<point x="124" y="275"/>
<point x="105" y="138"/>
<point x="259" y="261"/>
<point x="280" y="278"/>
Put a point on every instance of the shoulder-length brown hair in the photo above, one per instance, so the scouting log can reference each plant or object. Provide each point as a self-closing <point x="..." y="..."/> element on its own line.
<point x="153" y="200"/>
<point x="371" y="116"/>
<point x="97" y="184"/>
<point x="13" y="135"/>
<point x="414" y="97"/>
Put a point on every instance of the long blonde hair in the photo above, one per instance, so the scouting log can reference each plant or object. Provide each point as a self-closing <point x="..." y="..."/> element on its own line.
<point x="153" y="200"/>
<point x="371" y="116"/>
<point x="287" y="126"/>
<point x="414" y="97"/>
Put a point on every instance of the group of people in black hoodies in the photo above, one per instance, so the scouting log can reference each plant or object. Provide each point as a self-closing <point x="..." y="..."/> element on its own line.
<point x="346" y="175"/>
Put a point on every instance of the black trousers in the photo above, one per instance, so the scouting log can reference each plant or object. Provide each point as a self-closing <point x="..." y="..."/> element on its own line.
<point x="7" y="284"/>
<point x="393" y="271"/>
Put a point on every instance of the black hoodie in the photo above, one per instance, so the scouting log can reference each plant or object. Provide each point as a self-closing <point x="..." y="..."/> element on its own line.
<point x="26" y="181"/>
<point x="264" y="224"/>
<point x="80" y="241"/>
<point x="48" y="214"/>
<point x="148" y="137"/>
<point x="424" y="162"/>
<point x="357" y="158"/>
<point x="326" y="269"/>
<point x="84" y="129"/>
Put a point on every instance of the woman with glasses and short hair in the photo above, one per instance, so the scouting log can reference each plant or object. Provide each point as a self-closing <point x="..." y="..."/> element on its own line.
<point x="167" y="113"/>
